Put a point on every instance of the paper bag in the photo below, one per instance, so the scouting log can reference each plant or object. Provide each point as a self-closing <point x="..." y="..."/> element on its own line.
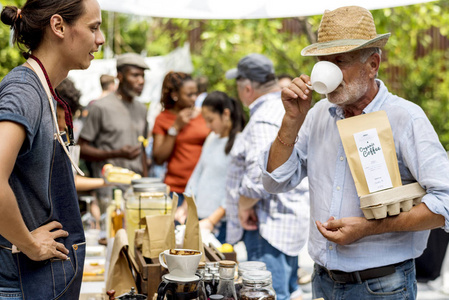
<point x="369" y="147"/>
<point x="159" y="232"/>
<point x="138" y="238"/>
<point x="192" y="238"/>
<point x="120" y="276"/>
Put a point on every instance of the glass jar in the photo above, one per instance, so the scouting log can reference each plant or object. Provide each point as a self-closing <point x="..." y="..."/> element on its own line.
<point x="245" y="266"/>
<point x="251" y="266"/>
<point x="145" y="200"/>
<point x="211" y="265"/>
<point x="257" y="285"/>
<point x="226" y="285"/>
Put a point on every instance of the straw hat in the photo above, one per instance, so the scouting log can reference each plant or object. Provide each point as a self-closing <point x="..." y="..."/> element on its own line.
<point x="346" y="29"/>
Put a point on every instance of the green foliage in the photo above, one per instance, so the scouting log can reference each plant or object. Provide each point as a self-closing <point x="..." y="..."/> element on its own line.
<point x="9" y="57"/>
<point x="415" y="65"/>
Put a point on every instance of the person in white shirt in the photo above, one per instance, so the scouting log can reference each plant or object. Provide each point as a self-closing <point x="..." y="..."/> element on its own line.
<point x="225" y="117"/>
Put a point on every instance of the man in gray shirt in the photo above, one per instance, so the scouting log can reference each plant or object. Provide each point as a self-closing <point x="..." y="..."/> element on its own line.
<point x="114" y="124"/>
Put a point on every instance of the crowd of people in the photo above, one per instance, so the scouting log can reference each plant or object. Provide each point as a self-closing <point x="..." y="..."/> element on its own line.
<point x="268" y="168"/>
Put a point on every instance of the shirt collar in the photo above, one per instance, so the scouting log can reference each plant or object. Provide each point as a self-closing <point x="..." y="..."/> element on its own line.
<point x="261" y="100"/>
<point x="375" y="105"/>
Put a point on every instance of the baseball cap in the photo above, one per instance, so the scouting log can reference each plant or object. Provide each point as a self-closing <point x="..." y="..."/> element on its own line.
<point x="255" y="67"/>
<point x="131" y="59"/>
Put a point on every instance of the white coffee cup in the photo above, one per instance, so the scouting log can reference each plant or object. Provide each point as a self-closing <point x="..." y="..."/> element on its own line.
<point x="325" y="77"/>
<point x="183" y="266"/>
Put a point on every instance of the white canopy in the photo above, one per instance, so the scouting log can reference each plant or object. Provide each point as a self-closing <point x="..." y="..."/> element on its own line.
<point x="238" y="9"/>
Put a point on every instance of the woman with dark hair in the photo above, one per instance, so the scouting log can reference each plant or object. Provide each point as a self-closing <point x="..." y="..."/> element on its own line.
<point x="42" y="244"/>
<point x="225" y="117"/>
<point x="179" y="131"/>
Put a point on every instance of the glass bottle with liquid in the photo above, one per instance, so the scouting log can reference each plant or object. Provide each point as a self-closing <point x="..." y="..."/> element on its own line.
<point x="202" y="284"/>
<point x="213" y="270"/>
<point x="208" y="287"/>
<point x="226" y="284"/>
<point x="118" y="215"/>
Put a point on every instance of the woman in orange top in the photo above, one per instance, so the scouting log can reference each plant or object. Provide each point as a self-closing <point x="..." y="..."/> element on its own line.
<point x="179" y="130"/>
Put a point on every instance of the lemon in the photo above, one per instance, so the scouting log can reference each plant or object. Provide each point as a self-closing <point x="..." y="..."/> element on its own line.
<point x="226" y="248"/>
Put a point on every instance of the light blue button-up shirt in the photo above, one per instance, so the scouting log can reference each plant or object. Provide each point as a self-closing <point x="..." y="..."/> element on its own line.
<point x="319" y="155"/>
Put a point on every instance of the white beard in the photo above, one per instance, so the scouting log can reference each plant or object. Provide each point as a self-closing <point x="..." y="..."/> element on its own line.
<point x="350" y="93"/>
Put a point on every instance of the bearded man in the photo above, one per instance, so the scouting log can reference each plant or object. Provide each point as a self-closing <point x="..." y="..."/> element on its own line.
<point x="357" y="258"/>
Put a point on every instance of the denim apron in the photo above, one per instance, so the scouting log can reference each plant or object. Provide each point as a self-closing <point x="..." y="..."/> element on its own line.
<point x="56" y="278"/>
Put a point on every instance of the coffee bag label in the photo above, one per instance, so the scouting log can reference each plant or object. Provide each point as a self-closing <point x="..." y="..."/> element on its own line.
<point x="373" y="160"/>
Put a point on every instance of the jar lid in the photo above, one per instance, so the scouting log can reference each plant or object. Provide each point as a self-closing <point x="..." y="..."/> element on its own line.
<point x="201" y="265"/>
<point x="256" y="276"/>
<point x="251" y="265"/>
<point x="212" y="264"/>
<point x="227" y="263"/>
<point x="146" y="180"/>
<point x="150" y="188"/>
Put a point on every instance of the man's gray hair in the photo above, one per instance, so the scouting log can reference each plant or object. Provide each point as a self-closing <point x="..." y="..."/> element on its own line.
<point x="367" y="52"/>
<point x="260" y="87"/>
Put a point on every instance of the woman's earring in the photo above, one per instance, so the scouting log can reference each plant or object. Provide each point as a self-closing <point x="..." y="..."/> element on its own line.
<point x="175" y="99"/>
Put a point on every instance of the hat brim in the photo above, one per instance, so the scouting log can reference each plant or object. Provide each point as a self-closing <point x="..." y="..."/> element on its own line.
<point x="232" y="74"/>
<point x="343" y="46"/>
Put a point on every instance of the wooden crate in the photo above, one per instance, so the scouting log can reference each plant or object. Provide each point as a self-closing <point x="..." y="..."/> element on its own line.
<point x="151" y="273"/>
<point x="213" y="254"/>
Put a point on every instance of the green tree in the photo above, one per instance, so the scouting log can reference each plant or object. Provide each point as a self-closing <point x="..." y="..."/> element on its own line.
<point x="10" y="56"/>
<point x="415" y="60"/>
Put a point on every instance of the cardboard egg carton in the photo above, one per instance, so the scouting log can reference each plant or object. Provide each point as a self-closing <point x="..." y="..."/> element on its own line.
<point x="392" y="201"/>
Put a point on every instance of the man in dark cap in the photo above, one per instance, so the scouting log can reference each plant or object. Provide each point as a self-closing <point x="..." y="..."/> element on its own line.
<point x="356" y="257"/>
<point x="113" y="126"/>
<point x="273" y="227"/>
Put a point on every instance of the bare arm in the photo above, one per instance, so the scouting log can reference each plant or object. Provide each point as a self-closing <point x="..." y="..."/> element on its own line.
<point x="40" y="244"/>
<point x="296" y="99"/>
<point x="217" y="215"/>
<point x="91" y="153"/>
<point x="348" y="230"/>
<point x="83" y="184"/>
<point x="163" y="145"/>
<point x="210" y="222"/>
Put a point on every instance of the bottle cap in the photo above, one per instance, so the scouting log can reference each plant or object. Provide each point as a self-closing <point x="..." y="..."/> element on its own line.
<point x="118" y="194"/>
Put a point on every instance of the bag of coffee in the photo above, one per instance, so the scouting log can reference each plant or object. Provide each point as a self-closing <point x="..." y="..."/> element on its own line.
<point x="369" y="146"/>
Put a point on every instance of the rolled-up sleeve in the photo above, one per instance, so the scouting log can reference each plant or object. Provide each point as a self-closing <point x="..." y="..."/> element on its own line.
<point x="428" y="163"/>
<point x="286" y="177"/>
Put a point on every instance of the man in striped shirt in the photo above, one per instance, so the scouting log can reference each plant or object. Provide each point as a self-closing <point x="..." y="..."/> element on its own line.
<point x="273" y="227"/>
